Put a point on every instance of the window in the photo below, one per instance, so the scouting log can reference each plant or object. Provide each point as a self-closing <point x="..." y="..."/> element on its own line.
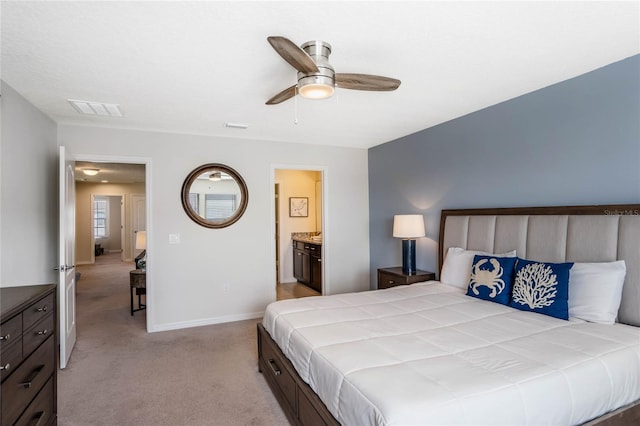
<point x="219" y="206"/>
<point x="194" y="201"/>
<point x="100" y="216"/>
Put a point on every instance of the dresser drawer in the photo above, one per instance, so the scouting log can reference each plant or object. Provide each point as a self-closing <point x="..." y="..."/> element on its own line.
<point x="37" y="311"/>
<point x="274" y="367"/>
<point x="33" y="337"/>
<point x="11" y="357"/>
<point x="10" y="331"/>
<point x="39" y="412"/>
<point x="24" y="384"/>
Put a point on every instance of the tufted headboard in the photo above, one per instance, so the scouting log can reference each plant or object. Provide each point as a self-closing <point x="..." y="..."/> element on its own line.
<point x="555" y="234"/>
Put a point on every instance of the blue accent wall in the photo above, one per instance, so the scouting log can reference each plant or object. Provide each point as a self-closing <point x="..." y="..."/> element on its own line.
<point x="574" y="143"/>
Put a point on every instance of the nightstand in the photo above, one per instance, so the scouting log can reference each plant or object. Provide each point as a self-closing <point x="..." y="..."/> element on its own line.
<point x="391" y="277"/>
<point x="138" y="283"/>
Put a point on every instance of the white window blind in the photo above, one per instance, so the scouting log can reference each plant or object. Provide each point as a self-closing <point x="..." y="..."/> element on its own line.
<point x="100" y="216"/>
<point x="193" y="200"/>
<point x="219" y="206"/>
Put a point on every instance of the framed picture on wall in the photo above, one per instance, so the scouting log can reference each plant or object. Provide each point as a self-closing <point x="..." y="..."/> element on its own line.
<point x="298" y="206"/>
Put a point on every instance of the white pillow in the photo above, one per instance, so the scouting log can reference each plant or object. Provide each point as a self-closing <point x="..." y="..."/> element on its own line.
<point x="456" y="269"/>
<point x="595" y="290"/>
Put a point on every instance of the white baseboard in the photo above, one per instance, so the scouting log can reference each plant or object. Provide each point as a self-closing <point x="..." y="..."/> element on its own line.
<point x="114" y="251"/>
<point x="207" y="321"/>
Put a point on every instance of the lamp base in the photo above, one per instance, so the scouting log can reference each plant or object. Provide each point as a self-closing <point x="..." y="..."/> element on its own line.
<point x="409" y="257"/>
<point x="141" y="261"/>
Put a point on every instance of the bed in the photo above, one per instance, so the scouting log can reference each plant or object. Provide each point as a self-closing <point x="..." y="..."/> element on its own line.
<point x="429" y="354"/>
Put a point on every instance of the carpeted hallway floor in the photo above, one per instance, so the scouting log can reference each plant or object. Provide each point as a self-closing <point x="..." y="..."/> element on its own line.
<point x="120" y="375"/>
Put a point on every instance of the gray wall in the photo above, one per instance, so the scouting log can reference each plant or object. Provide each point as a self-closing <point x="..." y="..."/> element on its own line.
<point x="576" y="142"/>
<point x="29" y="193"/>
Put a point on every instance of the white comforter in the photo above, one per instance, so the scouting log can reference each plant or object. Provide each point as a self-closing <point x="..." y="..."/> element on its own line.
<point x="428" y="354"/>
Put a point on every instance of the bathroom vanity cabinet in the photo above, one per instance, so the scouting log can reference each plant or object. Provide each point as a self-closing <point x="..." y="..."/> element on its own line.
<point x="307" y="264"/>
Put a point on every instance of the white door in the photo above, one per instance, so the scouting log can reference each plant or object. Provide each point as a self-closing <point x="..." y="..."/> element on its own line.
<point x="139" y="220"/>
<point x="67" y="272"/>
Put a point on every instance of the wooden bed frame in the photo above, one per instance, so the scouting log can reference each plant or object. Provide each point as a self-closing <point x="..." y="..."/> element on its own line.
<point x="303" y="407"/>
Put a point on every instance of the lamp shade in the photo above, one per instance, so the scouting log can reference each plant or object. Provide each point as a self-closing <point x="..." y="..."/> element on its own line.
<point x="408" y="226"/>
<point x="141" y="240"/>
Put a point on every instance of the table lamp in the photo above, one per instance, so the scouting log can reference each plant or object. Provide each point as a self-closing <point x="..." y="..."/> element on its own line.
<point x="141" y="244"/>
<point x="408" y="227"/>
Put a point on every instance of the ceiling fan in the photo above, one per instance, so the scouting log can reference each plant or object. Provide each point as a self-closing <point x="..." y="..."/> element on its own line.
<point x="316" y="77"/>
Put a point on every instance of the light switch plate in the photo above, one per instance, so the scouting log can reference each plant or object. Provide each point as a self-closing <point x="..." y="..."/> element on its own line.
<point x="174" y="238"/>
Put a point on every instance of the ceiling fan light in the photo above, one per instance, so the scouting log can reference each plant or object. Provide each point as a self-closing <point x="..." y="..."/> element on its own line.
<point x="316" y="91"/>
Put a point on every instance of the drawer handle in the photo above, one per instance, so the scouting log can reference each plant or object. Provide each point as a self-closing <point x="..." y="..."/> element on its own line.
<point x="43" y="309"/>
<point x="27" y="384"/>
<point x="299" y="254"/>
<point x="42" y="333"/>
<point x="274" y="367"/>
<point x="391" y="282"/>
<point x="5" y="337"/>
<point x="5" y="367"/>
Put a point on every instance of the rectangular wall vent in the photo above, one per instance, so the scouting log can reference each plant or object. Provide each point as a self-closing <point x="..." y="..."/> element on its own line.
<point x="96" y="108"/>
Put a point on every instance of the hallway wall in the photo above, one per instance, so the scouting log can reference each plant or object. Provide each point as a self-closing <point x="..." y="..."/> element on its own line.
<point x="84" y="226"/>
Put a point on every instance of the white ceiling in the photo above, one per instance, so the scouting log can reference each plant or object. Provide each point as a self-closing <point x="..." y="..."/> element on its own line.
<point x="188" y="67"/>
<point x="110" y="172"/>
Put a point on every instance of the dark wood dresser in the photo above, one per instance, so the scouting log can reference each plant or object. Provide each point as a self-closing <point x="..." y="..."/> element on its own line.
<point x="28" y="355"/>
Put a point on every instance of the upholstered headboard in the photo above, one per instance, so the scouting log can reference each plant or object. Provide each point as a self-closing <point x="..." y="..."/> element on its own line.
<point x="555" y="234"/>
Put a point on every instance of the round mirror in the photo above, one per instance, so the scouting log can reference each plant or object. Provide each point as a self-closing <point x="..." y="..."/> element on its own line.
<point x="214" y="195"/>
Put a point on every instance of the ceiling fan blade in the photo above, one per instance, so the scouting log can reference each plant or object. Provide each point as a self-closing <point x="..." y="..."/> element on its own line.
<point x="366" y="82"/>
<point x="291" y="53"/>
<point x="286" y="94"/>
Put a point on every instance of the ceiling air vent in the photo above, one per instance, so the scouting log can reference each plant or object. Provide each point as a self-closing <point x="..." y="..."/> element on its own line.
<point x="96" y="108"/>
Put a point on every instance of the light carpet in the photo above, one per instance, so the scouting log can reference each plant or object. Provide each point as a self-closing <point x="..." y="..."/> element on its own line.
<point x="119" y="374"/>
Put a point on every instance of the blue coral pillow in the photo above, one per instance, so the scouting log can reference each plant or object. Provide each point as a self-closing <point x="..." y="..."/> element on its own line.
<point x="541" y="287"/>
<point x="492" y="278"/>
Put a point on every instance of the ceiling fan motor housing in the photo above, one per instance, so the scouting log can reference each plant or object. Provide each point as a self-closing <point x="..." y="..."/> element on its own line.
<point x="319" y="52"/>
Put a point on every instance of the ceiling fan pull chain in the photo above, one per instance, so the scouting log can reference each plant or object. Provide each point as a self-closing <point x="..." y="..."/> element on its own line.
<point x="295" y="107"/>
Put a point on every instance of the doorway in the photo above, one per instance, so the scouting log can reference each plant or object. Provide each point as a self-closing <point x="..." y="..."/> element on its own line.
<point x="300" y="243"/>
<point x="111" y="208"/>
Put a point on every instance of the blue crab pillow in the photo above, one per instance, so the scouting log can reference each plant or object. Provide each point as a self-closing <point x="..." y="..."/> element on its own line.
<point x="542" y="287"/>
<point x="492" y="278"/>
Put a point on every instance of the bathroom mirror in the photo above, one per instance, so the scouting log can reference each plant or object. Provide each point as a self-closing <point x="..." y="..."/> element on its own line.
<point x="214" y="195"/>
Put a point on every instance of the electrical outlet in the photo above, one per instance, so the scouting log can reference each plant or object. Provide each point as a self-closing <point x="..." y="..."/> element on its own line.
<point x="225" y="289"/>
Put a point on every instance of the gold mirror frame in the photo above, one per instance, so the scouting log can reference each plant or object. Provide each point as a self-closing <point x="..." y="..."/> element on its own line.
<point x="212" y="168"/>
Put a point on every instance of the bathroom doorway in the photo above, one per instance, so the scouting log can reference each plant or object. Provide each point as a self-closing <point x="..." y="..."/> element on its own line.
<point x="299" y="237"/>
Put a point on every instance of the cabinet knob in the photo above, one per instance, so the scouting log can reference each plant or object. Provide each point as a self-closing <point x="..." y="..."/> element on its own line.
<point x="43" y="309"/>
<point x="5" y="337"/>
<point x="299" y="254"/>
<point x="391" y="282"/>
<point x="42" y="332"/>
<point x="5" y="367"/>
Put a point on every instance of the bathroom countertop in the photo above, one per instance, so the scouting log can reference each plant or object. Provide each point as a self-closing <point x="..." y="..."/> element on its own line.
<point x="305" y="239"/>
